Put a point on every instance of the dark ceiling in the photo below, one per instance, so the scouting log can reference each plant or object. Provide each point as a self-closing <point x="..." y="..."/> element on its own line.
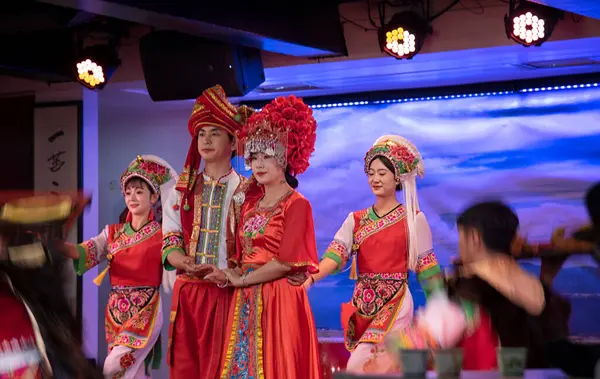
<point x="301" y="28"/>
<point x="56" y="28"/>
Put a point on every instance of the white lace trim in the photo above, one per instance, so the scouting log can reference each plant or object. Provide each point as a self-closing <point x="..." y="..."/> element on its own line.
<point x="11" y="360"/>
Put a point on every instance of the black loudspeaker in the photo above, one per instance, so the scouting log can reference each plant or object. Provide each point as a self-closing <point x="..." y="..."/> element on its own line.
<point x="179" y="66"/>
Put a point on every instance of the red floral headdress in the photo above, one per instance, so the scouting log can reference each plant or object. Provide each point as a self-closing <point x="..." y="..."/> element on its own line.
<point x="159" y="175"/>
<point x="150" y="169"/>
<point x="401" y="152"/>
<point x="285" y="129"/>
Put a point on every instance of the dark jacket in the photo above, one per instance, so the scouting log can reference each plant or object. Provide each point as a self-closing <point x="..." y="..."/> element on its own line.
<point x="513" y="325"/>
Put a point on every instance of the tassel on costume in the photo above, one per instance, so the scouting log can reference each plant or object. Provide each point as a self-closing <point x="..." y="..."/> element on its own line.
<point x="98" y="280"/>
<point x="353" y="271"/>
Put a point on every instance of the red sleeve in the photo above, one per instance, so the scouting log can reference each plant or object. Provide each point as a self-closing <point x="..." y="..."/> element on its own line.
<point x="299" y="246"/>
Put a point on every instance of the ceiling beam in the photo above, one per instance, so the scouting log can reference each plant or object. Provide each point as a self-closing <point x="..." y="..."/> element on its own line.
<point x="289" y="28"/>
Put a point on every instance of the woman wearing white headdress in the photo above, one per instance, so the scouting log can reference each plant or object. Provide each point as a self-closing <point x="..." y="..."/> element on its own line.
<point x="383" y="242"/>
<point x="133" y="252"/>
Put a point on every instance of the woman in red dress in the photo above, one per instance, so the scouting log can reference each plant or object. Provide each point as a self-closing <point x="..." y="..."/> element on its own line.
<point x="271" y="329"/>
<point x="133" y="250"/>
<point x="384" y="242"/>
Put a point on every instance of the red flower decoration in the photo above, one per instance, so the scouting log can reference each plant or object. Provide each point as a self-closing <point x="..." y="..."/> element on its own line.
<point x="127" y="361"/>
<point x="402" y="153"/>
<point x="153" y="168"/>
<point x="292" y="118"/>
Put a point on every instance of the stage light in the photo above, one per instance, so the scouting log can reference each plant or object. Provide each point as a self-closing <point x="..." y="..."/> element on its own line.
<point x="530" y="24"/>
<point x="90" y="73"/>
<point x="404" y="35"/>
<point x="96" y="65"/>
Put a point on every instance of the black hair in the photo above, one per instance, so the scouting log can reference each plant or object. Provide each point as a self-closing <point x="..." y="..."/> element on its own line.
<point x="233" y="152"/>
<point x="137" y="182"/>
<point x="592" y="202"/>
<point x="43" y="291"/>
<point x="291" y="180"/>
<point x="495" y="221"/>
<point x="390" y="166"/>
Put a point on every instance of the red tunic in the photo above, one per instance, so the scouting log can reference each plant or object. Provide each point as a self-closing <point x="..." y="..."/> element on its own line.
<point x="380" y="245"/>
<point x="479" y="347"/>
<point x="135" y="268"/>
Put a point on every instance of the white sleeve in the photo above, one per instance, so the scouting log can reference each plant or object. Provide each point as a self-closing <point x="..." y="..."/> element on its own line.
<point x="92" y="252"/>
<point x="171" y="227"/>
<point x="340" y="248"/>
<point x="171" y="222"/>
<point x="168" y="280"/>
<point x="424" y="238"/>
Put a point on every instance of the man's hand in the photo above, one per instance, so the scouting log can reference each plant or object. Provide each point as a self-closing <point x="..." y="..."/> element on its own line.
<point x="186" y="264"/>
<point x="193" y="269"/>
<point x="297" y="279"/>
<point x="215" y="275"/>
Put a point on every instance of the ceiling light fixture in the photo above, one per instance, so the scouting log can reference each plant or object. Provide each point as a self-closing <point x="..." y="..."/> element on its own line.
<point x="96" y="65"/>
<point x="530" y="24"/>
<point x="404" y="36"/>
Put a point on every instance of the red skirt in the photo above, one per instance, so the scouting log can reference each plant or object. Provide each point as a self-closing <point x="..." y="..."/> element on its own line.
<point x="197" y="328"/>
<point x="271" y="334"/>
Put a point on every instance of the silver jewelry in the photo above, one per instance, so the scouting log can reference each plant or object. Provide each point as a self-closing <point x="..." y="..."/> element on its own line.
<point x="239" y="197"/>
<point x="244" y="283"/>
<point x="224" y="284"/>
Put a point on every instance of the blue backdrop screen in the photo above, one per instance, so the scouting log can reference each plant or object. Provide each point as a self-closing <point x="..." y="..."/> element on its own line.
<point x="538" y="151"/>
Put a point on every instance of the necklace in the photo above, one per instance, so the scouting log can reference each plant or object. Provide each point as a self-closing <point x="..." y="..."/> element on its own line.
<point x="262" y="204"/>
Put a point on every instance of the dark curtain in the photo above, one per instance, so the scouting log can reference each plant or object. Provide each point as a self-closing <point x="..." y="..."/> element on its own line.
<point x="16" y="143"/>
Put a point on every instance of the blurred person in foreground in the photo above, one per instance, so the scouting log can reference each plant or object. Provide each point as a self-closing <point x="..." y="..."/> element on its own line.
<point x="38" y="331"/>
<point x="493" y="301"/>
<point x="577" y="359"/>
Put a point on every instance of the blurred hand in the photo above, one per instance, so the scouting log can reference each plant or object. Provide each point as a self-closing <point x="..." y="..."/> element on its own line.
<point x="550" y="268"/>
<point x="3" y="252"/>
<point x="69" y="250"/>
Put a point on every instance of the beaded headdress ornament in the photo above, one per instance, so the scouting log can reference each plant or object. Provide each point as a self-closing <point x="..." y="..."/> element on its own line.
<point x="284" y="129"/>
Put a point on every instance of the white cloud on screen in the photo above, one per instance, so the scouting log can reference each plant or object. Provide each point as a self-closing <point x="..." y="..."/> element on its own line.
<point x="466" y="158"/>
<point x="448" y="127"/>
